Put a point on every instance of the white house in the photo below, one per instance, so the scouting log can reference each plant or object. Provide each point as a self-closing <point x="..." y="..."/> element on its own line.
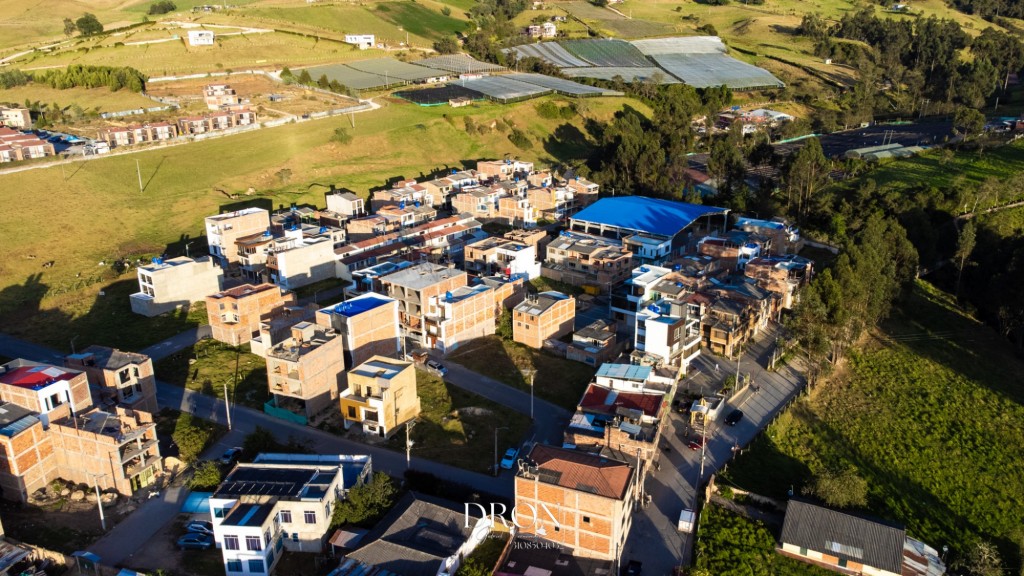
<point x="362" y="41"/>
<point x="280" y="501"/>
<point x="200" y="37"/>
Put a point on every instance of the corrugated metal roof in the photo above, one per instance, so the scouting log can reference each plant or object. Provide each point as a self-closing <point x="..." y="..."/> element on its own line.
<point x="642" y="214"/>
<point x="844" y="536"/>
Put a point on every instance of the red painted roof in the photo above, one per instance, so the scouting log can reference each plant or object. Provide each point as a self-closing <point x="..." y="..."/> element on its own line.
<point x="35" y="377"/>
<point x="605" y="400"/>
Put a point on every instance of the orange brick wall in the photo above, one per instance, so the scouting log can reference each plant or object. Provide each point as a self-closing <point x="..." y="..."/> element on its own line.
<point x="27" y="463"/>
<point x="594" y="538"/>
<point x="249" y="310"/>
<point x="554" y="323"/>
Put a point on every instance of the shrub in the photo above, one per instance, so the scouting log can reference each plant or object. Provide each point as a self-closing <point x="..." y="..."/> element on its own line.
<point x="206" y="476"/>
<point x="341" y="135"/>
<point x="366" y="504"/>
<point x="190" y="437"/>
<point x="520" y="139"/>
<point x="548" y="110"/>
<point x="162" y="7"/>
<point x="446" y="11"/>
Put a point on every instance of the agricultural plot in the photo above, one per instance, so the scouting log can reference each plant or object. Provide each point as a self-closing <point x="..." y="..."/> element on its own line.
<point x="588" y="11"/>
<point x="615" y="53"/>
<point x="392" y="68"/>
<point x="681" y="45"/>
<point x="504" y="89"/>
<point x="562" y="86"/>
<point x="459" y="64"/>
<point x="627" y="74"/>
<point x="419" y="20"/>
<point x="549" y="52"/>
<point x="352" y="78"/>
<point x="438" y="95"/>
<point x="704" y="70"/>
<point x="633" y="28"/>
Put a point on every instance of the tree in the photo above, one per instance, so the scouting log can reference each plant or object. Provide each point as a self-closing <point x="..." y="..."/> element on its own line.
<point x="88" y="25"/>
<point x="504" y="329"/>
<point x="805" y="175"/>
<point x="840" y="488"/>
<point x="190" y="437"/>
<point x="69" y="27"/>
<point x="259" y="440"/>
<point x="341" y="135"/>
<point x="982" y="559"/>
<point x="964" y="247"/>
<point x="286" y="75"/>
<point x="366" y="504"/>
<point x="447" y="45"/>
<point x="323" y="82"/>
<point x="162" y="7"/>
<point x="305" y="79"/>
<point x="206" y="477"/>
<point x="446" y="11"/>
<point x="474" y="567"/>
<point x="969" y="121"/>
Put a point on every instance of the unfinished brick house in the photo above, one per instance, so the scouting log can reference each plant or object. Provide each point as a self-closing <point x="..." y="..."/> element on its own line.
<point x="548" y="315"/>
<point x="117" y="378"/>
<point x="235" y="314"/>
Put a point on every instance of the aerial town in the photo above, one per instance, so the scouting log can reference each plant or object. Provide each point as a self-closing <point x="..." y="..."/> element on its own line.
<point x="511" y="288"/>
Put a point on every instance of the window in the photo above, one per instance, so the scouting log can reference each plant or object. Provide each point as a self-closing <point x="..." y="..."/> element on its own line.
<point x="286" y="516"/>
<point x="231" y="542"/>
<point x="352" y="412"/>
<point x="266" y="537"/>
<point x="256" y="566"/>
<point x="327" y="510"/>
<point x="842" y="562"/>
<point x="844" y="549"/>
<point x="253" y="543"/>
<point x="586" y="519"/>
<point x="135" y="371"/>
<point x="295" y="536"/>
<point x="280" y="544"/>
<point x="310" y="516"/>
<point x="270" y="557"/>
<point x="234" y="565"/>
<point x="803" y="551"/>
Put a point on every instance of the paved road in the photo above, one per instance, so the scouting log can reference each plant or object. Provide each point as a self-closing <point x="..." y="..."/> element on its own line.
<point x="176" y="343"/>
<point x="653" y="538"/>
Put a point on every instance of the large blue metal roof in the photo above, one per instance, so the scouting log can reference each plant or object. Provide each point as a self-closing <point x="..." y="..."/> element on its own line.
<point x="642" y="214"/>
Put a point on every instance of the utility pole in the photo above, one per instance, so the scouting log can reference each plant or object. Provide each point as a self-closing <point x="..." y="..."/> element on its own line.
<point x="138" y="172"/>
<point x="530" y="373"/>
<point x="73" y="343"/>
<point x="99" y="502"/>
<point x="408" y="444"/>
<point x="227" y="405"/>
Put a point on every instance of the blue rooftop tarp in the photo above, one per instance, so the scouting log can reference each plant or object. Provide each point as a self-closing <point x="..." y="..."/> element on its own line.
<point x="624" y="371"/>
<point x="197" y="503"/>
<point x="642" y="214"/>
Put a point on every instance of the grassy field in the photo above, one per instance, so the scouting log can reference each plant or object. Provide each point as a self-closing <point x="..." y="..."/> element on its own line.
<point x="267" y="50"/>
<point x="214" y="367"/>
<point x="90" y="99"/>
<point x="457" y="427"/>
<point x="558" y="380"/>
<point x="933" y="170"/>
<point x="183" y="185"/>
<point x="928" y="412"/>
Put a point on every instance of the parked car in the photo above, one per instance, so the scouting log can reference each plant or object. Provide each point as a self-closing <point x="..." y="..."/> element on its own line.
<point x="195" y="541"/>
<point x="437" y="367"/>
<point x="697" y="443"/>
<point x="509" y="459"/>
<point x="199" y="527"/>
<point x="230" y="456"/>
<point x="733" y="417"/>
<point x="633" y="568"/>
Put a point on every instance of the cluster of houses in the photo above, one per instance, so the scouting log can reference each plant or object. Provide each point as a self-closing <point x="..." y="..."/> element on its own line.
<point x="228" y="110"/>
<point x="420" y="272"/>
<point x="16" y="146"/>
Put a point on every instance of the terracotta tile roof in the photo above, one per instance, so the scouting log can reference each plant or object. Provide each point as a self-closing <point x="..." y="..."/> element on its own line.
<point x="581" y="471"/>
<point x="606" y="401"/>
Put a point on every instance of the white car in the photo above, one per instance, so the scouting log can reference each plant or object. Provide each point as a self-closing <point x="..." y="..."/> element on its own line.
<point x="437" y="367"/>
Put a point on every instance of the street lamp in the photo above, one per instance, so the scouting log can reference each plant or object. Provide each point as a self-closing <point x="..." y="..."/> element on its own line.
<point x="73" y="343"/>
<point x="530" y="373"/>
<point x="496" y="447"/>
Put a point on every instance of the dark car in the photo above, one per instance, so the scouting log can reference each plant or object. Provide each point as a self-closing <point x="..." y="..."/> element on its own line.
<point x="195" y="541"/>
<point x="733" y="417"/>
<point x="697" y="443"/>
<point x="633" y="568"/>
<point x="230" y="456"/>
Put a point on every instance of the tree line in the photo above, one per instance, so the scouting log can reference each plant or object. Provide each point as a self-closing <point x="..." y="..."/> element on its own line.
<point x="79" y="76"/>
<point x="906" y="61"/>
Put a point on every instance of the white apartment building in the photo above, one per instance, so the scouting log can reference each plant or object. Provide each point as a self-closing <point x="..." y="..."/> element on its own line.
<point x="635" y="293"/>
<point x="280" y="502"/>
<point x="223" y="230"/>
<point x="295" y="260"/>
<point x="166" y="285"/>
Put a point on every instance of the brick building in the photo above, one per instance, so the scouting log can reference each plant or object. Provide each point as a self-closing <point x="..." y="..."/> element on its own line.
<point x="43" y="388"/>
<point x="368" y="325"/>
<point x="783" y="275"/>
<point x="117" y="378"/>
<point x="628" y="422"/>
<point x="16" y="146"/>
<point x="502" y="256"/>
<point x="414" y="287"/>
<point x="304" y="370"/>
<point x="587" y="261"/>
<point x="591" y="498"/>
<point x="235" y="314"/>
<point x="593" y="344"/>
<point x="223" y="230"/>
<point x="548" y="315"/>
<point x="139" y="133"/>
<point x="26" y="453"/>
<point x="460" y="315"/>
